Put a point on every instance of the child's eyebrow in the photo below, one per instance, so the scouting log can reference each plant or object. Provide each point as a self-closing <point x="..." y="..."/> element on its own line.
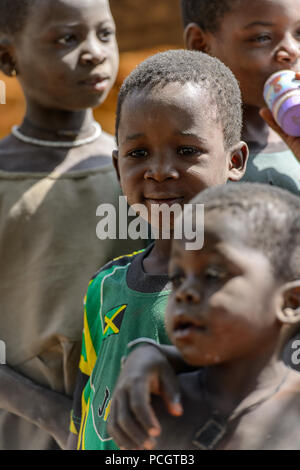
<point x="57" y="25"/>
<point x="258" y="23"/>
<point x="129" y="138"/>
<point x="62" y="24"/>
<point x="191" y="134"/>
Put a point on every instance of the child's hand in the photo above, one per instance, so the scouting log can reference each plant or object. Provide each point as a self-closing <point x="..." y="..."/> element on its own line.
<point x="132" y="422"/>
<point x="292" y="142"/>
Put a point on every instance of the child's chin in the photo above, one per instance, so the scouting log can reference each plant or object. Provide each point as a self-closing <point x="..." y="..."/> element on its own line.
<point x="90" y="101"/>
<point x="195" y="359"/>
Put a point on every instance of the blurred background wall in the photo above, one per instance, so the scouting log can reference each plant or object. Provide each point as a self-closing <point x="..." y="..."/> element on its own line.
<point x="143" y="28"/>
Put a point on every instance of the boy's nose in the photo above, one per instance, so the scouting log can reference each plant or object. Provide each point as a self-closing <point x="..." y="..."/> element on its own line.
<point x="188" y="294"/>
<point x="289" y="51"/>
<point x="161" y="171"/>
<point x="93" y="52"/>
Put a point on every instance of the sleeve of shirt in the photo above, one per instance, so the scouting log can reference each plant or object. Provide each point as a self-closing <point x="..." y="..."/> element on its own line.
<point x="91" y="340"/>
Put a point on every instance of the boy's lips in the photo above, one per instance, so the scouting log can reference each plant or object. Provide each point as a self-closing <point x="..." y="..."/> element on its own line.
<point x="96" y="82"/>
<point x="184" y="326"/>
<point x="162" y="199"/>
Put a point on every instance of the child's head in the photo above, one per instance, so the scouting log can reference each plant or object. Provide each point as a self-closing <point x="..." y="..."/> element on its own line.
<point x="64" y="52"/>
<point x="231" y="298"/>
<point x="253" y="38"/>
<point x="178" y="128"/>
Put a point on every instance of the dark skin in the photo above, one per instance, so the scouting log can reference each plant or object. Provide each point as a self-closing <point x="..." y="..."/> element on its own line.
<point x="66" y="60"/>
<point x="255" y="40"/>
<point x="226" y="313"/>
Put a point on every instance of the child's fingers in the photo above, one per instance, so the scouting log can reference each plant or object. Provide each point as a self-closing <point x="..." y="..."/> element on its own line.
<point x="266" y="114"/>
<point x="140" y="398"/>
<point x="171" y="393"/>
<point x="130" y="425"/>
<point x="292" y="142"/>
<point x="121" y="438"/>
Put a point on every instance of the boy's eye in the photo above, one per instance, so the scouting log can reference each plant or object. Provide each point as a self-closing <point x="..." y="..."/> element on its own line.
<point x="105" y="35"/>
<point x="215" y="273"/>
<point x="139" y="153"/>
<point x="68" y="39"/>
<point x="176" y="279"/>
<point x="188" y="151"/>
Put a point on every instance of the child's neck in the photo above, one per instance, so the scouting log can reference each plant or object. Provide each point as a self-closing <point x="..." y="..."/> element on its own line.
<point x="255" y="129"/>
<point x="227" y="385"/>
<point x="157" y="261"/>
<point x="55" y="124"/>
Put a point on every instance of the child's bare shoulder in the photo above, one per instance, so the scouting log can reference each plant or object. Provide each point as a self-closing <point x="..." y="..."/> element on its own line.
<point x="276" y="422"/>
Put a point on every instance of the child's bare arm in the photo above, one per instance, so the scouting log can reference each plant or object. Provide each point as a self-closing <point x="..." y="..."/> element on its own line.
<point x="292" y="142"/>
<point x="46" y="409"/>
<point x="147" y="370"/>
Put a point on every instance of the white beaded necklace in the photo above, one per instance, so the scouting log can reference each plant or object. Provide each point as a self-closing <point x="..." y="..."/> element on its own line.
<point x="49" y="143"/>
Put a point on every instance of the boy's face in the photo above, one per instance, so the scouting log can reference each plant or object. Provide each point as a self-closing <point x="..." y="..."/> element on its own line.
<point x="255" y="40"/>
<point x="67" y="56"/>
<point x="222" y="304"/>
<point x="171" y="147"/>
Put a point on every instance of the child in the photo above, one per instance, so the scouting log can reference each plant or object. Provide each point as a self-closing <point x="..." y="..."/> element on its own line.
<point x="233" y="305"/>
<point x="254" y="39"/>
<point x="178" y="129"/>
<point x="55" y="169"/>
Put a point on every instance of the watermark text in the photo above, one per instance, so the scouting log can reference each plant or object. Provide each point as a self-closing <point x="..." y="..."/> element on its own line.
<point x="296" y="353"/>
<point x="189" y="224"/>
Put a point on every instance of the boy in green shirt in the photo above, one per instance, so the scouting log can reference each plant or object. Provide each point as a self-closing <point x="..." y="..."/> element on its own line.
<point x="234" y="305"/>
<point x="178" y="129"/>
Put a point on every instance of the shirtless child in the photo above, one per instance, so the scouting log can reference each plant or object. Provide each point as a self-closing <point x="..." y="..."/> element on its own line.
<point x="233" y="306"/>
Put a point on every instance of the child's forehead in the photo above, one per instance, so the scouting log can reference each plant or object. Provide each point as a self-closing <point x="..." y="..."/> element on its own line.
<point x="52" y="12"/>
<point x="226" y="247"/>
<point x="255" y="11"/>
<point x="167" y="91"/>
<point x="190" y="97"/>
<point x="178" y="109"/>
<point x="220" y="227"/>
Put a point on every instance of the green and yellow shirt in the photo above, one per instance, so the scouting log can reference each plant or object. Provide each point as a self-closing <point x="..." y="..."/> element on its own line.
<point x="122" y="303"/>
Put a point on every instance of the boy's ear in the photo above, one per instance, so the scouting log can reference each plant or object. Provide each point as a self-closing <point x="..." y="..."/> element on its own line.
<point x="238" y="161"/>
<point x="195" y="38"/>
<point x="115" y="156"/>
<point x="7" y="61"/>
<point x="288" y="304"/>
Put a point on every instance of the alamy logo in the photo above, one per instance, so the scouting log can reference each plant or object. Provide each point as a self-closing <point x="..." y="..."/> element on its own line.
<point x="189" y="223"/>
<point x="2" y="352"/>
<point x="2" y="92"/>
<point x="296" y="354"/>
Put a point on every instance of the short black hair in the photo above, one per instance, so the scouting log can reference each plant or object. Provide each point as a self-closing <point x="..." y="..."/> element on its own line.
<point x="206" y="13"/>
<point x="184" y="66"/>
<point x="13" y="15"/>
<point x="271" y="216"/>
